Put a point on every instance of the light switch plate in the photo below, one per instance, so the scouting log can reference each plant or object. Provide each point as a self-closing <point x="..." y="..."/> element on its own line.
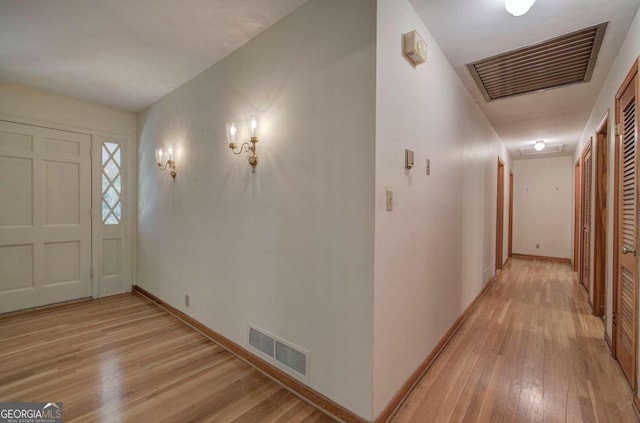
<point x="389" y="199"/>
<point x="408" y="158"/>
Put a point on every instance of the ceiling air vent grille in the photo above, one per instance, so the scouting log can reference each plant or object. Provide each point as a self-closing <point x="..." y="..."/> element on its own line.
<point x="549" y="149"/>
<point x="568" y="59"/>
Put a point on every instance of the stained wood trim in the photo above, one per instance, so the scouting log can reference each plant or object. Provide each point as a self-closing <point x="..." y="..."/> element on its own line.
<point x="627" y="80"/>
<point x="313" y="397"/>
<point x="546" y="258"/>
<point x="636" y="405"/>
<point x="616" y="237"/>
<point x="396" y="402"/>
<point x="584" y="277"/>
<point x="499" y="215"/>
<point x="577" y="228"/>
<point x="607" y="340"/>
<point x="510" y="214"/>
<point x="600" y="218"/>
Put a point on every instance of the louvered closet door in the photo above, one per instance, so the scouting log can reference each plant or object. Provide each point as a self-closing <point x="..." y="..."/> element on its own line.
<point x="586" y="218"/>
<point x="627" y="217"/>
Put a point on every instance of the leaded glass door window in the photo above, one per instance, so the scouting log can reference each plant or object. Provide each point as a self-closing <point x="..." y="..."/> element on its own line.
<point x="111" y="183"/>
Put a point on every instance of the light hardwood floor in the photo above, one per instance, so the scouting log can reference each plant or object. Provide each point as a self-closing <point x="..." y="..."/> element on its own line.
<point x="124" y="359"/>
<point x="529" y="352"/>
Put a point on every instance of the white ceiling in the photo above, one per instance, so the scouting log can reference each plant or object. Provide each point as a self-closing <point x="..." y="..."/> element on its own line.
<point x="468" y="30"/>
<point x="124" y="53"/>
<point x="130" y="53"/>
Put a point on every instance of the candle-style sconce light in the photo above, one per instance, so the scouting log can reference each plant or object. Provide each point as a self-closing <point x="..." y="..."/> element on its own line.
<point x="248" y="147"/>
<point x="165" y="159"/>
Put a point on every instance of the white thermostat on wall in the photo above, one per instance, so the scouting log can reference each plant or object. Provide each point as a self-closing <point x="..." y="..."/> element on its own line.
<point x="415" y="48"/>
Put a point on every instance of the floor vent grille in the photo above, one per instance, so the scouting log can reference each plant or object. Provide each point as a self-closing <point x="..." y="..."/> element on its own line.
<point x="568" y="59"/>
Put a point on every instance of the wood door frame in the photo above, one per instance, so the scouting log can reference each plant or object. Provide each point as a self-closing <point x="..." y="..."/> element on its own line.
<point x="588" y="149"/>
<point x="510" y="213"/>
<point x="577" y="227"/>
<point x="500" y="215"/>
<point x="600" y="220"/>
<point x="616" y="221"/>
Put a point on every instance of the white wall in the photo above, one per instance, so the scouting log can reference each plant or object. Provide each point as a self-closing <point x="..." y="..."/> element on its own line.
<point x="542" y="206"/>
<point x="29" y="105"/>
<point x="432" y="250"/>
<point x="628" y="53"/>
<point x="289" y="248"/>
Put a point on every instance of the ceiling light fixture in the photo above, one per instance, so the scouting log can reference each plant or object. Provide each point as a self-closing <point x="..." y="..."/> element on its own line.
<point x="539" y="145"/>
<point x="518" y="7"/>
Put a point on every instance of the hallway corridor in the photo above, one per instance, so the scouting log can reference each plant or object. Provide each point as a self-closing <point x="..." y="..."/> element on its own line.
<point x="529" y="352"/>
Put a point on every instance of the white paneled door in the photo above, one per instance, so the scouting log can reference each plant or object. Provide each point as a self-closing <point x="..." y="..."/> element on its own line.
<point x="45" y="223"/>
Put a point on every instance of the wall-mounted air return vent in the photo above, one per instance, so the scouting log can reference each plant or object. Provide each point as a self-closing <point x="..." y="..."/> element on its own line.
<point x="291" y="358"/>
<point x="530" y="151"/>
<point x="279" y="351"/>
<point x="568" y="59"/>
<point x="261" y="341"/>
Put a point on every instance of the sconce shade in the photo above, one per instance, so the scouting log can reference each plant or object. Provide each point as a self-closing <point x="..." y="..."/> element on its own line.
<point x="159" y="155"/>
<point x="169" y="153"/>
<point x="253" y="125"/>
<point x="231" y="133"/>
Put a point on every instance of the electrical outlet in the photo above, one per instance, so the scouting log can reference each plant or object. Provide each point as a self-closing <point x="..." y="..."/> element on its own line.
<point x="537" y="245"/>
<point x="186" y="300"/>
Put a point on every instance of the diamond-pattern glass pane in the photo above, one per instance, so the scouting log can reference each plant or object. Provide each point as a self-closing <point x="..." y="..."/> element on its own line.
<point x="111" y="197"/>
<point x="117" y="185"/>
<point x="111" y="220"/>
<point x="105" y="154"/>
<point x="111" y="183"/>
<point x="105" y="184"/>
<point x="111" y="169"/>
<point x="117" y="210"/>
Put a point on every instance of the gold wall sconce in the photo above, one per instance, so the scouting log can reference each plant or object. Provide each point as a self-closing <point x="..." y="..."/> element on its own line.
<point x="169" y="162"/>
<point x="248" y="147"/>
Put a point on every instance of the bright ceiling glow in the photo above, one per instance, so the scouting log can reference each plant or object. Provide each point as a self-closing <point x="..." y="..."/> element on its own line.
<point x="539" y="145"/>
<point x="518" y="7"/>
